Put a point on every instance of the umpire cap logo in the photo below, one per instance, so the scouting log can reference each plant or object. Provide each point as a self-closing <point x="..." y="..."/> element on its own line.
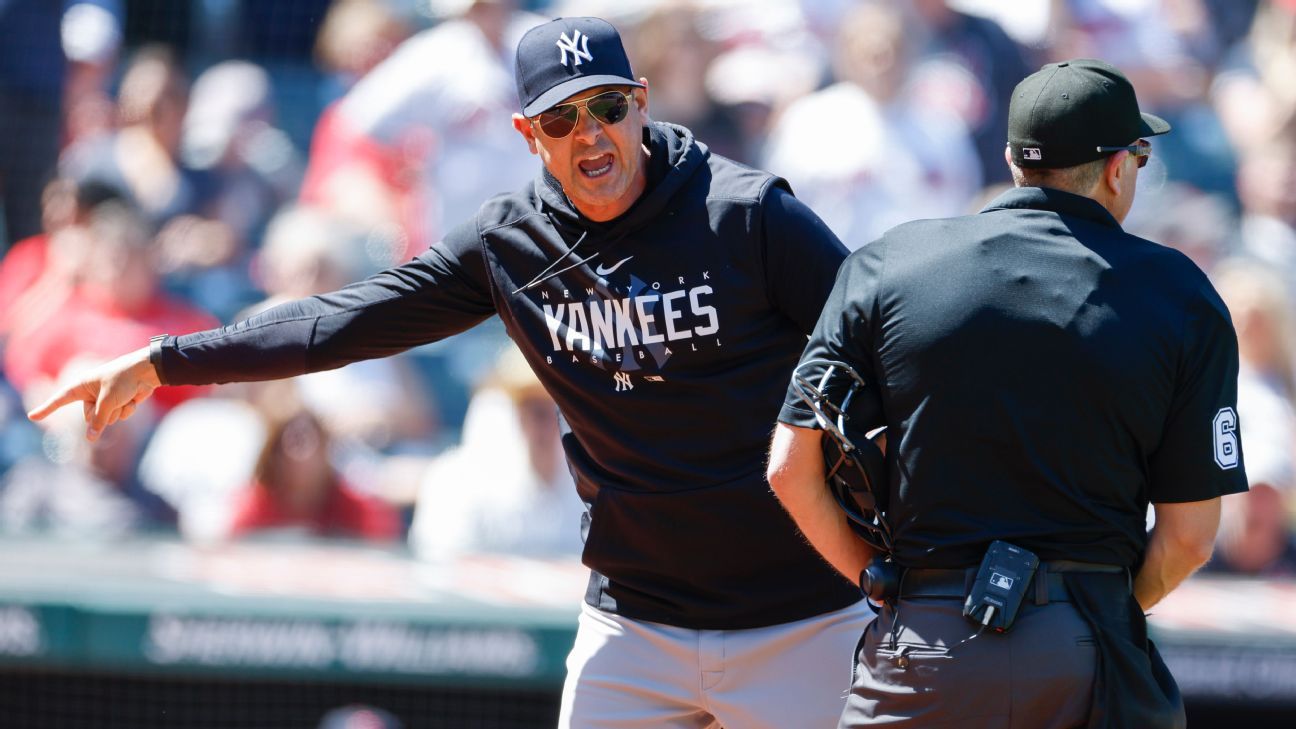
<point x="566" y="44"/>
<point x="1032" y="153"/>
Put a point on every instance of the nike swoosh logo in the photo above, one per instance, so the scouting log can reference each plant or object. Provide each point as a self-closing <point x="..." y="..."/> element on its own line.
<point x="600" y="270"/>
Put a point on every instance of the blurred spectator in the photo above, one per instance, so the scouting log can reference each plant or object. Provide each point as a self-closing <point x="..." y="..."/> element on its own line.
<point x="296" y="490"/>
<point x="669" y="50"/>
<point x="202" y="454"/>
<point x="380" y="402"/>
<point x="79" y="488"/>
<point x="115" y="308"/>
<point x="862" y="153"/>
<point x="969" y="66"/>
<point x="420" y="138"/>
<point x="1162" y="44"/>
<point x="229" y="132"/>
<point x="307" y="250"/>
<point x="142" y="157"/>
<point x="1263" y="317"/>
<point x="1266" y="186"/>
<point x="505" y="488"/>
<point x="250" y="167"/>
<point x="1255" y="90"/>
<point x="769" y="55"/>
<point x="92" y="37"/>
<point x="39" y="273"/>
<point x="356" y="36"/>
<point x="1255" y="536"/>
<point x="756" y="82"/>
<point x="25" y="261"/>
<point x="143" y="160"/>
<point x="1230" y="20"/>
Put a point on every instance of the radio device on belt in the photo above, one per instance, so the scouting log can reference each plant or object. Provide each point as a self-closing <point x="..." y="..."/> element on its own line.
<point x="856" y="467"/>
<point x="1000" y="584"/>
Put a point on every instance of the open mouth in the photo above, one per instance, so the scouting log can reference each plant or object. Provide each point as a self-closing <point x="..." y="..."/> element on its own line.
<point x="596" y="166"/>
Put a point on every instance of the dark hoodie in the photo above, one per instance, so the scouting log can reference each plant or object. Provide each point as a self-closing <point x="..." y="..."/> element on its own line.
<point x="666" y="336"/>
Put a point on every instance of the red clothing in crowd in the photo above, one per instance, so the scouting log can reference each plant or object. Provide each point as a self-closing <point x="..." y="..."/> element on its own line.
<point x="21" y="267"/>
<point x="337" y="145"/>
<point x="83" y="328"/>
<point x="346" y="514"/>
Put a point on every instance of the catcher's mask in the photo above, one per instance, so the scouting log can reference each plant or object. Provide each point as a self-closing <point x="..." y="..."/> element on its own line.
<point x="856" y="467"/>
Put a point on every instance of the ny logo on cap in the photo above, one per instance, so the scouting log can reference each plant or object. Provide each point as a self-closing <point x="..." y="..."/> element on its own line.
<point x="566" y="44"/>
<point x="1031" y="153"/>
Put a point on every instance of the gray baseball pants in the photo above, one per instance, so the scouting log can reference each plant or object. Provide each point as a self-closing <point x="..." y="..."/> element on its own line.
<point x="920" y="666"/>
<point x="632" y="674"/>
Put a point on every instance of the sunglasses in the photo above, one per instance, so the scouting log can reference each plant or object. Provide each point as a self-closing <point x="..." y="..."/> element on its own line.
<point x="1140" y="150"/>
<point x="609" y="107"/>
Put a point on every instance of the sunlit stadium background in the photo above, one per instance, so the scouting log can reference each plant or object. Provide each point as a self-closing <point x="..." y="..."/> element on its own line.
<point x="166" y="165"/>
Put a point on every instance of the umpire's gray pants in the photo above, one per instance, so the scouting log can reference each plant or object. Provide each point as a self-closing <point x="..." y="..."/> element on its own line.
<point x="932" y="673"/>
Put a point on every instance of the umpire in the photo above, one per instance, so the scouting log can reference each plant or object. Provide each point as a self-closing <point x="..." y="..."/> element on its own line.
<point x="1043" y="375"/>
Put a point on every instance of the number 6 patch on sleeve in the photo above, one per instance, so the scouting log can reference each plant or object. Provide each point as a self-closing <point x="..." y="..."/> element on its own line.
<point x="1226" y="438"/>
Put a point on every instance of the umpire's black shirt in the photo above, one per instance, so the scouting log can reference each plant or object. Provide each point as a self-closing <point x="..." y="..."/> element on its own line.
<point x="1043" y="375"/>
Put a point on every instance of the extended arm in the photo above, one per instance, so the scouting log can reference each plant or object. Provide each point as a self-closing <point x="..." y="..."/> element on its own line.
<point x="796" y="473"/>
<point x="1181" y="542"/>
<point x="440" y="293"/>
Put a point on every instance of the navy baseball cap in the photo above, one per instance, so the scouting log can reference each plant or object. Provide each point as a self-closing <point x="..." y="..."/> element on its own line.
<point x="566" y="56"/>
<point x="1060" y="115"/>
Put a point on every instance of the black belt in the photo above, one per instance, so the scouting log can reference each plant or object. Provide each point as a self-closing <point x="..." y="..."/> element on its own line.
<point x="917" y="582"/>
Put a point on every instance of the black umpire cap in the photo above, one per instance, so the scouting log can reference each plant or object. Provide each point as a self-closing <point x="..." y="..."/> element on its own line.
<point x="1060" y="115"/>
<point x="566" y="56"/>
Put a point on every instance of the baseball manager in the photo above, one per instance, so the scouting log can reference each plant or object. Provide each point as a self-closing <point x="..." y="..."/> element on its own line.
<point x="661" y="294"/>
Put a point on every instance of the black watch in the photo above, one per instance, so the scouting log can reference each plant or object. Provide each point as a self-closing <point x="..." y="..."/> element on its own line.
<point x="155" y="354"/>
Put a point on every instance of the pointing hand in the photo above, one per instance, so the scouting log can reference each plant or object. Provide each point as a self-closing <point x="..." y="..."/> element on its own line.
<point x="108" y="393"/>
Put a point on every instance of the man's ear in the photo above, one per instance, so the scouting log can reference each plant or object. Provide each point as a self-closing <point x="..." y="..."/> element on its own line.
<point x="641" y="96"/>
<point x="1115" y="174"/>
<point x="523" y="127"/>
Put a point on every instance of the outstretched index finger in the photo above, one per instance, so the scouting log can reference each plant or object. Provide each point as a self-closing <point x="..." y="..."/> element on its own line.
<point x="66" y="396"/>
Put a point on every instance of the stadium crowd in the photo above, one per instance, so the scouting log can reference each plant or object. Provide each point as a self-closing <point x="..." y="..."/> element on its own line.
<point x="193" y="167"/>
